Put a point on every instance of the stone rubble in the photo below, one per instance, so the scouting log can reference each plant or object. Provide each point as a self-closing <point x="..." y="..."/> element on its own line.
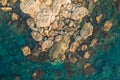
<point x="53" y="22"/>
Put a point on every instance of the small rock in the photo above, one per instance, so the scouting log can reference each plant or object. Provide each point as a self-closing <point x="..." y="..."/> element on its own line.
<point x="98" y="18"/>
<point x="46" y="45"/>
<point x="87" y="55"/>
<point x="14" y="16"/>
<point x="36" y="36"/>
<point x="60" y="48"/>
<point x="73" y="60"/>
<point x="26" y="51"/>
<point x="63" y="57"/>
<point x="89" y="69"/>
<point x="58" y="38"/>
<point x="55" y="25"/>
<point x="31" y="24"/>
<point x="6" y="8"/>
<point x="4" y="2"/>
<point x="84" y="47"/>
<point x="95" y="1"/>
<point x="74" y="46"/>
<point x="86" y="30"/>
<point x="79" y="13"/>
<point x="107" y="25"/>
<point x="93" y="42"/>
<point x="37" y="75"/>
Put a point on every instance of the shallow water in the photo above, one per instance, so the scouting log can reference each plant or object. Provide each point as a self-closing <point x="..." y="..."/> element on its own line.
<point x="15" y="66"/>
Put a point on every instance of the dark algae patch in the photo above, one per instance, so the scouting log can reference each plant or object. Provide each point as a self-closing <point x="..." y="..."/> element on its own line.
<point x="73" y="40"/>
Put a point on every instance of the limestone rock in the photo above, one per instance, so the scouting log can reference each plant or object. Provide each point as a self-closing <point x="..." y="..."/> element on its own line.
<point x="46" y="45"/>
<point x="31" y="24"/>
<point x="84" y="47"/>
<point x="26" y="51"/>
<point x="61" y="47"/>
<point x="87" y="55"/>
<point x="79" y="13"/>
<point x="89" y="69"/>
<point x="107" y="25"/>
<point x="36" y="36"/>
<point x="73" y="60"/>
<point x="6" y="8"/>
<point x="4" y="2"/>
<point x="14" y="16"/>
<point x="74" y="46"/>
<point x="86" y="30"/>
<point x="93" y="42"/>
<point x="98" y="18"/>
<point x="41" y="12"/>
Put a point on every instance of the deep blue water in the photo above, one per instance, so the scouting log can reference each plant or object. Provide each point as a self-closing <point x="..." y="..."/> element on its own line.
<point x="13" y="63"/>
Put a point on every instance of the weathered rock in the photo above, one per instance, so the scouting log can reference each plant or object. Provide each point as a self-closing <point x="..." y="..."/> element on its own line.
<point x="86" y="30"/>
<point x="87" y="55"/>
<point x="79" y="13"/>
<point x="37" y="74"/>
<point x="60" y="47"/>
<point x="41" y="12"/>
<point x="84" y="47"/>
<point x="58" y="38"/>
<point x="107" y="25"/>
<point x="74" y="46"/>
<point x="4" y="2"/>
<point x="98" y="18"/>
<point x="89" y="69"/>
<point x="31" y="24"/>
<point x="46" y="45"/>
<point x="73" y="60"/>
<point x="93" y="42"/>
<point x="6" y="8"/>
<point x="14" y="16"/>
<point x="36" y="36"/>
<point x="26" y="51"/>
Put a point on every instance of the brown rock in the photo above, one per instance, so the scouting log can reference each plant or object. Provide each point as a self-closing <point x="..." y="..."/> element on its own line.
<point x="36" y="36"/>
<point x="89" y="69"/>
<point x="73" y="60"/>
<point x="79" y="13"/>
<point x="6" y="8"/>
<point x="31" y="24"/>
<point x="14" y="16"/>
<point x="93" y="42"/>
<point x="26" y="51"/>
<point x="87" y="55"/>
<point x="86" y="30"/>
<point x="46" y="45"/>
<point x="58" y="38"/>
<point x="84" y="47"/>
<point x="74" y="46"/>
<point x="107" y="25"/>
<point x="98" y="18"/>
<point x="4" y="2"/>
<point x="60" y="48"/>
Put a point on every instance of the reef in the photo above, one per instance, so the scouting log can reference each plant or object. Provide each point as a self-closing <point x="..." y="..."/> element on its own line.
<point x="59" y="39"/>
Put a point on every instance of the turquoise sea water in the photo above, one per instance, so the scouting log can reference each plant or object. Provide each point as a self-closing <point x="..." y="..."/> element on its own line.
<point x="14" y="66"/>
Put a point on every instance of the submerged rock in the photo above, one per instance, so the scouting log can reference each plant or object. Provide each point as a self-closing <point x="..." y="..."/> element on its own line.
<point x="26" y="51"/>
<point x="107" y="25"/>
<point x="89" y="69"/>
<point x="60" y="47"/>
